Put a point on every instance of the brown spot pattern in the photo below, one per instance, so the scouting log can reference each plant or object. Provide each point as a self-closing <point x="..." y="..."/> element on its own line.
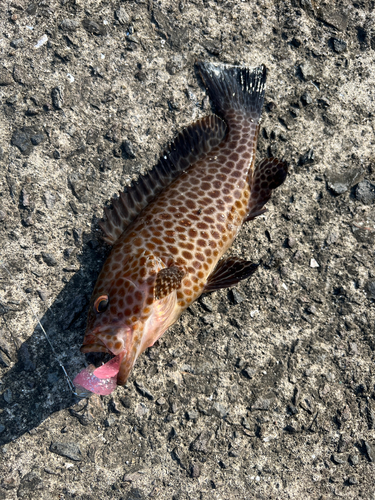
<point x="176" y="241"/>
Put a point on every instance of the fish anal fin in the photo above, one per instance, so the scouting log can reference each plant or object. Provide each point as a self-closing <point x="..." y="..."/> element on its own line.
<point x="229" y="272"/>
<point x="269" y="174"/>
<point x="167" y="280"/>
<point x="190" y="145"/>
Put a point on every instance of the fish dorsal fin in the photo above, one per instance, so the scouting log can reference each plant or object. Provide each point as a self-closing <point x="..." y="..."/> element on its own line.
<point x="191" y="144"/>
<point x="268" y="175"/>
<point x="229" y="272"/>
<point x="167" y="280"/>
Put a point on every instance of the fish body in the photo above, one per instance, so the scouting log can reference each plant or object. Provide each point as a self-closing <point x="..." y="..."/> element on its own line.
<point x="170" y="230"/>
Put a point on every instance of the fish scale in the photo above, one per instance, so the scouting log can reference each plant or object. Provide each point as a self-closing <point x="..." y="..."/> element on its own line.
<point x="170" y="230"/>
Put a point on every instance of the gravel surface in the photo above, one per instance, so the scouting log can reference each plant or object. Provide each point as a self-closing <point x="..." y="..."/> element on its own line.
<point x="263" y="391"/>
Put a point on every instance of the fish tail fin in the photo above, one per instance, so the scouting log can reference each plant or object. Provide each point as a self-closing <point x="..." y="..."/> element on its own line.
<point x="235" y="89"/>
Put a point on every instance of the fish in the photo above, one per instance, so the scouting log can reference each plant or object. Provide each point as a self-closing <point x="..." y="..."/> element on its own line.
<point x="171" y="228"/>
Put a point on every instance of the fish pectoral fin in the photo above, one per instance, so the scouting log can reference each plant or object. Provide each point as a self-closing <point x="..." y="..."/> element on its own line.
<point x="229" y="272"/>
<point x="167" y="280"/>
<point x="268" y="175"/>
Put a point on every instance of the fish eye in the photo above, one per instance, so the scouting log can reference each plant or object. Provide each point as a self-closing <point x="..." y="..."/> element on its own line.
<point x="101" y="303"/>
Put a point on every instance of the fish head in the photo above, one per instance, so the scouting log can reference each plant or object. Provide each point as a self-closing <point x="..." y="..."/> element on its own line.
<point x="124" y="315"/>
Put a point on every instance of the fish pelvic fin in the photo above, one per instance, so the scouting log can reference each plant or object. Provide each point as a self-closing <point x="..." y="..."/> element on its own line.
<point x="190" y="145"/>
<point x="269" y="174"/>
<point x="234" y="89"/>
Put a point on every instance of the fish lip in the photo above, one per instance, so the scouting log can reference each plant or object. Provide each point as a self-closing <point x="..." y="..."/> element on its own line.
<point x="92" y="342"/>
<point x="94" y="347"/>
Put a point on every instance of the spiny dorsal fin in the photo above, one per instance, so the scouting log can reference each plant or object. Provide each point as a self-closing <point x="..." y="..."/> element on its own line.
<point x="167" y="280"/>
<point x="191" y="144"/>
<point x="268" y="175"/>
<point x="229" y="272"/>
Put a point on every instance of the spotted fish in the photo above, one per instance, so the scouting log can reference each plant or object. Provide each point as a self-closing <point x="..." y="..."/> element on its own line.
<point x="171" y="228"/>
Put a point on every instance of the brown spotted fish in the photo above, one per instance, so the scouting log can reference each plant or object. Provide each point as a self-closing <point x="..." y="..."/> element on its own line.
<point x="171" y="228"/>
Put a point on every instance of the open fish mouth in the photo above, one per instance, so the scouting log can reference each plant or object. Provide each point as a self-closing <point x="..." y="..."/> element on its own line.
<point x="101" y="380"/>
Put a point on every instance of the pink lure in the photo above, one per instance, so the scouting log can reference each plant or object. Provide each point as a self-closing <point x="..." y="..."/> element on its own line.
<point x="102" y="380"/>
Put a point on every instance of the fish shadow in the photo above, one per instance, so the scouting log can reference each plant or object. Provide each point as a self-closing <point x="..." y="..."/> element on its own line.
<point x="35" y="386"/>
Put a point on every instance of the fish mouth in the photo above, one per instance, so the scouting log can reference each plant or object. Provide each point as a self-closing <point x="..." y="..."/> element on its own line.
<point x="98" y="346"/>
<point x="101" y="380"/>
<point x="101" y="376"/>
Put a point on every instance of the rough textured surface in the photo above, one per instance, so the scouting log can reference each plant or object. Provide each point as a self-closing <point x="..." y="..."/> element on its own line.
<point x="263" y="391"/>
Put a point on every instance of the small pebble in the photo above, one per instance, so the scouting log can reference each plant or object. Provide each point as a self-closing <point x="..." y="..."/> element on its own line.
<point x="49" y="259"/>
<point x="313" y="263"/>
<point x="143" y="390"/>
<point x="121" y="16"/>
<point x="298" y="256"/>
<point x="5" y="78"/>
<point x="312" y="310"/>
<point x="365" y="192"/>
<point x="195" y="470"/>
<point x="41" y="42"/>
<point x="206" y="302"/>
<point x="369" y="451"/>
<point x="49" y="199"/>
<point x="68" y="252"/>
<point x="307" y="71"/>
<point x="28" y="221"/>
<point x="291" y="242"/>
<point x="332" y="238"/>
<point x="337" y="458"/>
<point x="220" y="410"/>
<point x="354" y="459"/>
<point x="238" y="297"/>
<point x="8" y="396"/>
<point x="43" y="295"/>
<point x="249" y="372"/>
<point x="370" y="289"/>
<point x="57" y="96"/>
<point x="261" y="404"/>
<point x="291" y="428"/>
<point x="306" y="99"/>
<point x="10" y="483"/>
<point x="109" y="421"/>
<point x="17" y="43"/>
<point x="68" y="450"/>
<point x="353" y="348"/>
<point x="296" y="42"/>
<point x="129" y="149"/>
<point x="126" y="401"/>
<point x="307" y="158"/>
<point x="324" y="391"/>
<point x="340" y="182"/>
<point x="292" y="409"/>
<point x="37" y="139"/>
<point x="69" y="25"/>
<point x="192" y="415"/>
<point x="339" y="46"/>
<point x="344" y="443"/>
<point x="352" y="480"/>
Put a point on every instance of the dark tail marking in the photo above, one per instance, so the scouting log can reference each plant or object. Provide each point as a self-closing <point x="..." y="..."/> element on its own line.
<point x="235" y="88"/>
